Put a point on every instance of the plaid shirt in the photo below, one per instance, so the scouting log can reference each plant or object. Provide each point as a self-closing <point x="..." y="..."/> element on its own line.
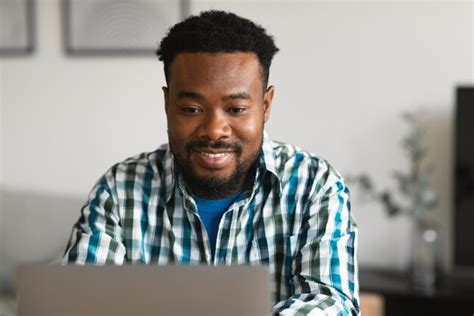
<point x="296" y="220"/>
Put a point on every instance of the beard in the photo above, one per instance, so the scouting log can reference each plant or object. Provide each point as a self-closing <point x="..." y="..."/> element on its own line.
<point x="216" y="187"/>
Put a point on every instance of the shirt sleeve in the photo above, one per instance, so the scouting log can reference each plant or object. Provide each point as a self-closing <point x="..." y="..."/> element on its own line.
<point x="96" y="237"/>
<point x="324" y="270"/>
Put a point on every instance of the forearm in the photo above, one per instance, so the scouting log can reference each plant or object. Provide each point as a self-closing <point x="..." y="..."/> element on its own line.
<point x="316" y="304"/>
<point x="96" y="237"/>
<point x="324" y="291"/>
<point x="324" y="270"/>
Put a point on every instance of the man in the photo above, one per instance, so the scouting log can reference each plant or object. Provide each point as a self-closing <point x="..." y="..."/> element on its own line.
<point x="221" y="192"/>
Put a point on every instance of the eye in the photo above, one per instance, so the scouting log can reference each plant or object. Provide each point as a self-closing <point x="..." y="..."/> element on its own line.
<point x="190" y="110"/>
<point x="237" y="110"/>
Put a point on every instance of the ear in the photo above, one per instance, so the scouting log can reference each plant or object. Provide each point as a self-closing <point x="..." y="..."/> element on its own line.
<point x="166" y="97"/>
<point x="267" y="102"/>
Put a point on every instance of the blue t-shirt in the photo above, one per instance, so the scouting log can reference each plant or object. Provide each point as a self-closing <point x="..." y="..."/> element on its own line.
<point x="211" y="212"/>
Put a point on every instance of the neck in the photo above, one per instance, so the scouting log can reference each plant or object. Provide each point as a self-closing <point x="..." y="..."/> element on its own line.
<point x="215" y="189"/>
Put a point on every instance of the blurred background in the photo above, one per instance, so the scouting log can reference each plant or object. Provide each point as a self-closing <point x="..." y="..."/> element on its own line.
<point x="73" y="104"/>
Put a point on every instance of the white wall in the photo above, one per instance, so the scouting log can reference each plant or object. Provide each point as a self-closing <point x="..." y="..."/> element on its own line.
<point x="2" y="264"/>
<point x="345" y="72"/>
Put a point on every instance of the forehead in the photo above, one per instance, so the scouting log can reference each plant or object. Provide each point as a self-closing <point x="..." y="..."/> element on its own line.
<point x="216" y="71"/>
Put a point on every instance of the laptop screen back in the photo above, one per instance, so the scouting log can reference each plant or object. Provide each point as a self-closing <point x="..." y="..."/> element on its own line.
<point x="143" y="290"/>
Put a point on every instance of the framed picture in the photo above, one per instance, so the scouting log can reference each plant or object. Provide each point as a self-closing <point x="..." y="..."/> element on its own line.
<point x="16" y="27"/>
<point x="118" y="27"/>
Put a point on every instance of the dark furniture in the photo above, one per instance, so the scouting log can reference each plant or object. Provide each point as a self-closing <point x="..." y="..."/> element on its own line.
<point x="450" y="297"/>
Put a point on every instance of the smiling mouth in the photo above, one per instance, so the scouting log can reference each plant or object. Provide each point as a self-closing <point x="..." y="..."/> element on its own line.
<point x="214" y="155"/>
<point x="213" y="160"/>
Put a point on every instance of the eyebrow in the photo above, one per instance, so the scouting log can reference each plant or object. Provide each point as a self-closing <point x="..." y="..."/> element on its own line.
<point x="198" y="96"/>
<point x="190" y="95"/>
<point x="237" y="96"/>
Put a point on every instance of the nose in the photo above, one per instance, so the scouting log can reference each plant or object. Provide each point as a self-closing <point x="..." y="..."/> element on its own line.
<point x="214" y="127"/>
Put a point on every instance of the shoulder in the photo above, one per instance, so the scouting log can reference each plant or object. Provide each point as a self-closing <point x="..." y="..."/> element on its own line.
<point x="139" y="166"/>
<point x="291" y="156"/>
<point x="309" y="171"/>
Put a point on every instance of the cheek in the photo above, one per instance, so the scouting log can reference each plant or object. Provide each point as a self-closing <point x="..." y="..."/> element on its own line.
<point x="180" y="131"/>
<point x="250" y="134"/>
<point x="250" y="130"/>
<point x="177" y="140"/>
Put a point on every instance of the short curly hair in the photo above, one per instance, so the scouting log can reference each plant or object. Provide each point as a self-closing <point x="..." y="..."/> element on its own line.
<point x="218" y="31"/>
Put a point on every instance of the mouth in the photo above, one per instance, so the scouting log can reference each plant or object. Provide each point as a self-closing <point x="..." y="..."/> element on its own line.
<point x="213" y="159"/>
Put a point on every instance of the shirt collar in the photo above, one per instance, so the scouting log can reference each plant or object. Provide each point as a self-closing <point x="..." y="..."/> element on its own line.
<point x="268" y="156"/>
<point x="268" y="161"/>
<point x="163" y="165"/>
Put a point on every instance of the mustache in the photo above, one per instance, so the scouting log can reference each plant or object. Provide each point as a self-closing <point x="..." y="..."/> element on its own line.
<point x="202" y="144"/>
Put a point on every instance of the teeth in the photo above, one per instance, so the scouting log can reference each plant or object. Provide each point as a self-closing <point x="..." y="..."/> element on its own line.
<point x="213" y="155"/>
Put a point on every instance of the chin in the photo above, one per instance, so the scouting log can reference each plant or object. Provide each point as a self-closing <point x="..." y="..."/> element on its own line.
<point x="214" y="176"/>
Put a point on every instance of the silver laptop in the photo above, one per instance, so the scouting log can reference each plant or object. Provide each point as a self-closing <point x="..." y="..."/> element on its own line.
<point x="143" y="290"/>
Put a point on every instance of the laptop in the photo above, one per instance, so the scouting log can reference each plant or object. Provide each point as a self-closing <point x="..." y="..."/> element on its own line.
<point x="143" y="290"/>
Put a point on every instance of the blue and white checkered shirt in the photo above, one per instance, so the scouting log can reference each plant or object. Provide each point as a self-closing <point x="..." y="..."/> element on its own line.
<point x="296" y="220"/>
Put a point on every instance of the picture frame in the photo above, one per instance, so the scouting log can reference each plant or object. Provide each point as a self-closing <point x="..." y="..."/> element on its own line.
<point x="17" y="31"/>
<point x="118" y="27"/>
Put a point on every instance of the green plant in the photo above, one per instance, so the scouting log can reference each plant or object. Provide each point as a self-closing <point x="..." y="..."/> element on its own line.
<point x="415" y="195"/>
